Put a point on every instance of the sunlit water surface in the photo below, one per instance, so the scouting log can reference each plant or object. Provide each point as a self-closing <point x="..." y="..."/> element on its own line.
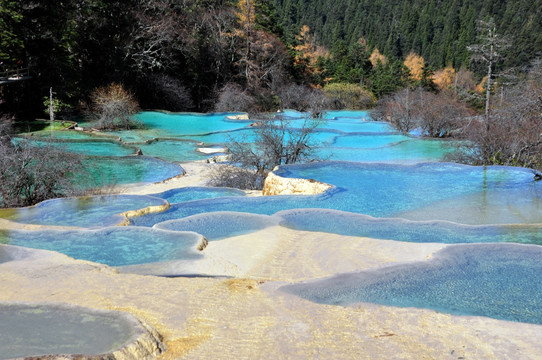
<point x="496" y="280"/>
<point x="114" y="246"/>
<point x="386" y="186"/>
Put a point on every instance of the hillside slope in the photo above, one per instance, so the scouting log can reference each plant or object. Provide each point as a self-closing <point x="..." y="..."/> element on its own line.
<point x="438" y="30"/>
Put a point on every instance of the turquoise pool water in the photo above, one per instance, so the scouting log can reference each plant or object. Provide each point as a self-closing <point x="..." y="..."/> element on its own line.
<point x="172" y="124"/>
<point x="92" y="211"/>
<point x="357" y="126"/>
<point x="108" y="171"/>
<point x="398" y="229"/>
<point x="172" y="150"/>
<point x="92" y="147"/>
<point x="169" y="125"/>
<point x="348" y="115"/>
<point x="495" y="280"/>
<point x="114" y="246"/>
<point x="369" y="141"/>
<point x="387" y="186"/>
<point x="219" y="225"/>
<point x="223" y="137"/>
<point x="197" y="193"/>
<point x="383" y="190"/>
<point x="67" y="135"/>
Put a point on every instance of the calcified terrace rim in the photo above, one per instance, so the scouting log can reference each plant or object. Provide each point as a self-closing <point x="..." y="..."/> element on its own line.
<point x="112" y="246"/>
<point x="123" y="216"/>
<point x="353" y="224"/>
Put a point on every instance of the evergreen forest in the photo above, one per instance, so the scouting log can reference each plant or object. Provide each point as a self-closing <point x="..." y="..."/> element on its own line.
<point x="185" y="55"/>
<point x="438" y="30"/>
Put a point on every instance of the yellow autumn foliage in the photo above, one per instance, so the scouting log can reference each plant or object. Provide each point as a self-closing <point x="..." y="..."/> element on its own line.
<point x="246" y="15"/>
<point x="444" y="78"/>
<point x="481" y="87"/>
<point x="377" y="57"/>
<point x="414" y="63"/>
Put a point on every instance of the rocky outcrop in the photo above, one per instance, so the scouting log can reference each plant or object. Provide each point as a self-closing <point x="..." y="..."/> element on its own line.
<point x="140" y="212"/>
<point x="277" y="185"/>
<point x="237" y="117"/>
<point x="212" y="150"/>
<point x="203" y="243"/>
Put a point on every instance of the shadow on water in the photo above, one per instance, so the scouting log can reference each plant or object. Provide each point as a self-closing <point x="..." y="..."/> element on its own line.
<point x="495" y="280"/>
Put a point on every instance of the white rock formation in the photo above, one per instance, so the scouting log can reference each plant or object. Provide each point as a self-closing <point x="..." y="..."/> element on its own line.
<point x="277" y="185"/>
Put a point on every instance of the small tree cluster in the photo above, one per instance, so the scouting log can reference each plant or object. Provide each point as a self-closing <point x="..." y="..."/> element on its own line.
<point x="277" y="141"/>
<point x="434" y="115"/>
<point x="30" y="174"/>
<point x="113" y="107"/>
<point x="512" y="133"/>
<point x="233" y="98"/>
<point x="348" y="96"/>
<point x="225" y="175"/>
<point x="302" y="98"/>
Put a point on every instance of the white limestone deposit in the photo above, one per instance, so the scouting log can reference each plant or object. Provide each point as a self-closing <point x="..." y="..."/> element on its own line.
<point x="277" y="185"/>
<point x="212" y="150"/>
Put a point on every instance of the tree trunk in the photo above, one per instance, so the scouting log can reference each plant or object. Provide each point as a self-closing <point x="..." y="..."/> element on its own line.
<point x="51" y="108"/>
<point x="488" y="89"/>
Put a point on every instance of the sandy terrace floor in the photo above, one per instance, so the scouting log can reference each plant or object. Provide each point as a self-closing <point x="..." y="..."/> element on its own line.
<point x="240" y="313"/>
<point x="246" y="317"/>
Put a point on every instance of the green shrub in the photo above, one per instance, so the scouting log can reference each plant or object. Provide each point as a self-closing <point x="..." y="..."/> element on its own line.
<point x="349" y="96"/>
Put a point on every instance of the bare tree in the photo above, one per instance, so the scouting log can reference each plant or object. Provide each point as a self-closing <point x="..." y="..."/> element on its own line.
<point x="233" y="98"/>
<point x="440" y="115"/>
<point x="226" y="175"/>
<point x="277" y="141"/>
<point x="434" y="115"/>
<point x="515" y="137"/>
<point x="112" y="108"/>
<point x="302" y="98"/>
<point x="30" y="173"/>
<point x="267" y="63"/>
<point x="169" y="92"/>
<point x="488" y="50"/>
<point x="159" y="34"/>
<point x="397" y="109"/>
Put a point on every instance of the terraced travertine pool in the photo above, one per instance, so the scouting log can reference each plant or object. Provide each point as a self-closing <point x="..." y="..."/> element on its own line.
<point x="386" y="186"/>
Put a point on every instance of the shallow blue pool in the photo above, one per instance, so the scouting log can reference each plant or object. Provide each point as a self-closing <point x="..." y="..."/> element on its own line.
<point x="350" y="224"/>
<point x="91" y="211"/>
<point x="197" y="193"/>
<point x="172" y="150"/>
<point x="172" y="124"/>
<point x="219" y="225"/>
<point x="91" y="147"/>
<point x="501" y="281"/>
<point x="110" y="171"/>
<point x="113" y="246"/>
<point x="477" y="195"/>
<point x="347" y="115"/>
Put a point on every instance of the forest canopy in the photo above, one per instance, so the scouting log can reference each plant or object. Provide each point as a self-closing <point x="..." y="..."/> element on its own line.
<point x="185" y="55"/>
<point x="438" y="30"/>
